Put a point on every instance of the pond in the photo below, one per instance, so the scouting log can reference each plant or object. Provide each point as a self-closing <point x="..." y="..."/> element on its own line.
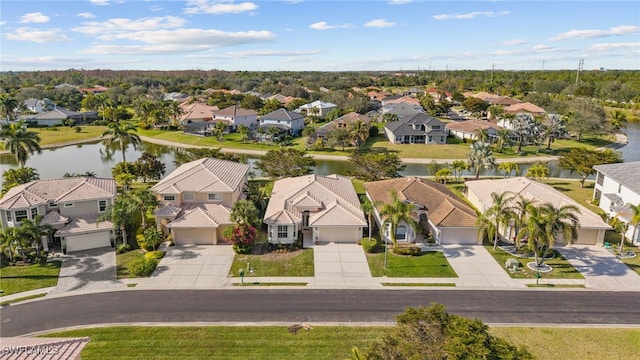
<point x="54" y="163"/>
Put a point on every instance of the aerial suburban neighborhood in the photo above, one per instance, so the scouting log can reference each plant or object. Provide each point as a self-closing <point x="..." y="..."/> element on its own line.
<point x="240" y="180"/>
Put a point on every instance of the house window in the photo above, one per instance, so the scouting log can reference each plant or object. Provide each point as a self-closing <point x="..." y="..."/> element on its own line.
<point x="34" y="212"/>
<point x="68" y="205"/>
<point x="430" y="138"/>
<point x="619" y="188"/>
<point x="9" y="216"/>
<point x="600" y="178"/>
<point x="21" y="215"/>
<point x="283" y="231"/>
<point x="52" y="204"/>
<point x="441" y="138"/>
<point x="401" y="232"/>
<point x="188" y="197"/>
<point x="102" y="205"/>
<point x="436" y="127"/>
<point x="215" y="197"/>
<point x="169" y="198"/>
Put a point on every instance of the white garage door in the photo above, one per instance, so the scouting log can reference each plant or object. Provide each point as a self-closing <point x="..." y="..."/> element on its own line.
<point x="87" y="241"/>
<point x="339" y="234"/>
<point x="195" y="236"/>
<point x="459" y="236"/>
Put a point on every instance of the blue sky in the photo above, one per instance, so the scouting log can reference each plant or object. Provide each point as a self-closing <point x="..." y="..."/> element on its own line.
<point x="302" y="35"/>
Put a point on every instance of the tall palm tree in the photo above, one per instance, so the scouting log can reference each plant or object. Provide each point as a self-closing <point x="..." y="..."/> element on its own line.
<point x="480" y="157"/>
<point x="508" y="167"/>
<point x="618" y="120"/>
<point x="35" y="230"/>
<point x="498" y="214"/>
<point x="519" y="220"/>
<point x="369" y="208"/>
<point x="394" y="213"/>
<point x="15" y="177"/>
<point x="122" y="134"/>
<point x="9" y="241"/>
<point x="245" y="213"/>
<point x="8" y="105"/>
<point x="621" y="227"/>
<point x="121" y="214"/>
<point x="553" y="127"/>
<point x="358" y="132"/>
<point x="503" y="138"/>
<point x="20" y="142"/>
<point x="144" y="200"/>
<point x="635" y="221"/>
<point x="482" y="135"/>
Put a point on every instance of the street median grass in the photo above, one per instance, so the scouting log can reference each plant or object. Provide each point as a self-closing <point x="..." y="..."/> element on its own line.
<point x="298" y="263"/>
<point x="427" y="265"/>
<point x="25" y="298"/>
<point x="419" y="284"/>
<point x="562" y="269"/>
<point x="16" y="279"/>
<point x="634" y="262"/>
<point x="271" y="284"/>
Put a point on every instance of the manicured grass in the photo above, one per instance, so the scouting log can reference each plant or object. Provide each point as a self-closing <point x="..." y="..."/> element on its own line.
<point x="122" y="260"/>
<point x="562" y="269"/>
<point x="419" y="284"/>
<point x="358" y="185"/>
<point x="429" y="264"/>
<point x="574" y="343"/>
<point x="298" y="263"/>
<point x="572" y="189"/>
<point x="65" y="134"/>
<point x="271" y="284"/>
<point x="3" y="303"/>
<point x="15" y="279"/>
<point x="633" y="263"/>
<point x="257" y="342"/>
<point x="555" y="285"/>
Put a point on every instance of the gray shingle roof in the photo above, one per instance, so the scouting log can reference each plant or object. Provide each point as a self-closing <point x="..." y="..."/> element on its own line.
<point x="627" y="174"/>
<point x="282" y="114"/>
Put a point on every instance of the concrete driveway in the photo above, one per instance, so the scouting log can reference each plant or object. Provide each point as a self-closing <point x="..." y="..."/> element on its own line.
<point x="602" y="270"/>
<point x="476" y="268"/>
<point x="88" y="270"/>
<point x="341" y="265"/>
<point x="192" y="266"/>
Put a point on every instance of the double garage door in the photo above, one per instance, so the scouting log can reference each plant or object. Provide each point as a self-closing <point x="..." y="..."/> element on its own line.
<point x="88" y="241"/>
<point x="199" y="236"/>
<point x="342" y="235"/>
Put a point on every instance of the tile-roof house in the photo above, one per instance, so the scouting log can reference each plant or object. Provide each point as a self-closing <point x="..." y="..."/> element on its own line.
<point x="323" y="208"/>
<point x="71" y="206"/>
<point x="524" y="107"/>
<point x="196" y="112"/>
<point x="468" y="129"/>
<point x="400" y="98"/>
<point x="343" y="122"/>
<point x="197" y="197"/>
<point x="317" y="108"/>
<point x="591" y="227"/>
<point x="417" y="129"/>
<point x="38" y="348"/>
<point x="617" y="187"/>
<point x="292" y="121"/>
<point x="437" y="210"/>
<point x="235" y="115"/>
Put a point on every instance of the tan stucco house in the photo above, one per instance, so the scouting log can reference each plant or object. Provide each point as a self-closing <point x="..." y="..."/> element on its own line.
<point x="71" y="206"/>
<point x="196" y="199"/>
<point x="437" y="210"/>
<point x="322" y="208"/>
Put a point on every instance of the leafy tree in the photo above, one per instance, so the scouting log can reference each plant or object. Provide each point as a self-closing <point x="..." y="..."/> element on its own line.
<point x="34" y="230"/>
<point x="339" y="137"/>
<point x="585" y="117"/>
<point x="252" y="102"/>
<point x="458" y="167"/>
<point x="634" y="221"/>
<point x="148" y="166"/>
<point x="443" y="174"/>
<point x="218" y="130"/>
<point x="183" y="156"/>
<point x="15" y="177"/>
<point x="508" y="167"/>
<point x="281" y="163"/>
<point x="122" y="215"/>
<point x="375" y="166"/>
<point x="552" y="128"/>
<point x="503" y="138"/>
<point x="358" y="133"/>
<point x="20" y="142"/>
<point x="245" y="213"/>
<point x="396" y="212"/>
<point x="475" y="105"/>
<point x="389" y="117"/>
<point x="144" y="200"/>
<point x="242" y="237"/>
<point x="8" y="105"/>
<point x="480" y="157"/>
<point x="153" y="236"/>
<point x="123" y="135"/>
<point x="432" y="333"/>
<point x="244" y="132"/>
<point x="618" y="120"/>
<point x="538" y="170"/>
<point x="498" y="214"/>
<point x="581" y="161"/>
<point x="524" y="127"/>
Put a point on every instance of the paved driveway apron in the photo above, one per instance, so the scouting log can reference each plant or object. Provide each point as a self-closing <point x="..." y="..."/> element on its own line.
<point x="88" y="270"/>
<point x="476" y="268"/>
<point x="341" y="265"/>
<point x="600" y="268"/>
<point x="192" y="266"/>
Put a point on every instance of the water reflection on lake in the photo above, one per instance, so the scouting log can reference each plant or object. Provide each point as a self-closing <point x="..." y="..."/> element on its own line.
<point x="54" y="163"/>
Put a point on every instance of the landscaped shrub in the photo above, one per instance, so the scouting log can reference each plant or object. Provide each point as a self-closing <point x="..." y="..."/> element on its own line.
<point x="242" y="237"/>
<point x="369" y="245"/>
<point x="158" y="254"/>
<point x="407" y="250"/>
<point x="123" y="248"/>
<point x="142" y="266"/>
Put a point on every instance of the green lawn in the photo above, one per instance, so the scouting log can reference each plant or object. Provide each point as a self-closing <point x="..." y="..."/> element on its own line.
<point x="572" y="189"/>
<point x="295" y="263"/>
<point x="330" y="342"/>
<point x="15" y="279"/>
<point x="633" y="263"/>
<point x="429" y="264"/>
<point x="64" y="134"/>
<point x="122" y="260"/>
<point x="562" y="269"/>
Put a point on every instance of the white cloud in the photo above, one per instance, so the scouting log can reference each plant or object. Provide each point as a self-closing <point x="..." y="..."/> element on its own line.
<point x="143" y="49"/>
<point x="254" y="53"/>
<point x="100" y="2"/>
<point x="111" y="26"/>
<point x="205" y="37"/>
<point x="615" y="46"/>
<point x="542" y="47"/>
<point x="86" y="15"/>
<point x="218" y="7"/>
<point x="155" y="8"/>
<point x="2" y="23"/>
<point x="34" y="17"/>
<point x="513" y="42"/>
<point x="470" y="15"/>
<point x="399" y="2"/>
<point x="587" y="34"/>
<point x="36" y="35"/>
<point x="323" y="25"/>
<point x="379" y="23"/>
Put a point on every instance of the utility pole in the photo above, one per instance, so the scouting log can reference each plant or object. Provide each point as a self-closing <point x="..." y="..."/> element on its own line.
<point x="580" y="67"/>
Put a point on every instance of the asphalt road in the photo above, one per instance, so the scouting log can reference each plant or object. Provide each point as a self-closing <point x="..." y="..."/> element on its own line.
<point x="314" y="306"/>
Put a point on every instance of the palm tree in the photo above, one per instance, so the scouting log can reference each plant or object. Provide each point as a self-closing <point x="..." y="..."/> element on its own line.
<point x="153" y="236"/>
<point x="443" y="174"/>
<point x="20" y="142"/>
<point x="369" y="208"/>
<point x="519" y="209"/>
<point x="245" y="213"/>
<point x="105" y="103"/>
<point x="618" y="120"/>
<point x="9" y="241"/>
<point x="508" y="167"/>
<point x="458" y="167"/>
<point x="35" y="230"/>
<point x="8" y="105"/>
<point x="620" y="227"/>
<point x="123" y="135"/>
<point x="15" y="177"/>
<point x="121" y="214"/>
<point x="482" y="135"/>
<point x="218" y="130"/>
<point x="480" y="157"/>
<point x="503" y="138"/>
<point x="635" y="221"/>
<point x="144" y="200"/>
<point x="125" y="180"/>
<point x="394" y="213"/>
<point x="498" y="214"/>
<point x="244" y="131"/>
<point x="553" y="127"/>
<point x="358" y="132"/>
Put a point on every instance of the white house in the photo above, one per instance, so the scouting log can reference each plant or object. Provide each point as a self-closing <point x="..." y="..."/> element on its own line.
<point x="235" y="115"/>
<point x="617" y="187"/>
<point x="292" y="121"/>
<point x="318" y="108"/>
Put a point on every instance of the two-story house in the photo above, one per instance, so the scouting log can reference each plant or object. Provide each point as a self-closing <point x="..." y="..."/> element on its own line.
<point x="196" y="199"/>
<point x="72" y="207"/>
<point x="317" y="108"/>
<point x="235" y="116"/>
<point x="321" y="208"/>
<point x="617" y="188"/>
<point x="416" y="129"/>
<point x="289" y="121"/>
